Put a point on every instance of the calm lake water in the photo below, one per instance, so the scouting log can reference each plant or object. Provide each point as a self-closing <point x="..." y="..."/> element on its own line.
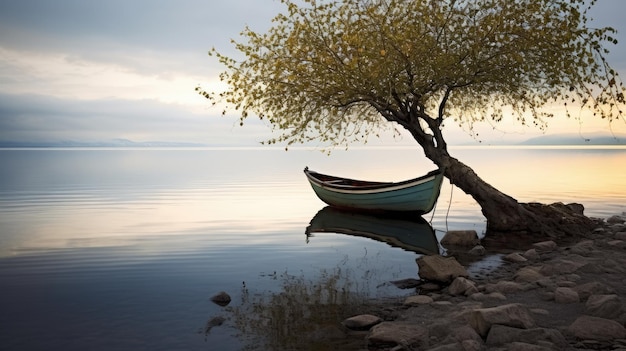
<point x="121" y="249"/>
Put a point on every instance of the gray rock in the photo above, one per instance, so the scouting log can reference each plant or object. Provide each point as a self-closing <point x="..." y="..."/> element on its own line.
<point x="409" y="283"/>
<point x="221" y="298"/>
<point x="443" y="304"/>
<point x="592" y="288"/>
<point x="449" y="347"/>
<point x="471" y="345"/>
<point x="618" y="227"/>
<point x="545" y="246"/>
<point x="515" y="258"/>
<point x="604" y="306"/>
<point x="566" y="283"/>
<point x="418" y="300"/>
<point x="531" y="255"/>
<point x="478" y="296"/>
<point x="462" y="286"/>
<point x="561" y="267"/>
<point x="528" y="275"/>
<point x="496" y="296"/>
<point x="566" y="295"/>
<point x="430" y="286"/>
<point x="540" y="311"/>
<point x="512" y="315"/>
<point x="440" y="269"/>
<point x="620" y="236"/>
<point x="361" y="322"/>
<point x="477" y="250"/>
<point x="501" y="334"/>
<point x="522" y="346"/>
<point x="407" y="335"/>
<point x="466" y="238"/>
<point x="439" y="329"/>
<point x="465" y="333"/>
<point x="583" y="248"/>
<point x="504" y="287"/>
<point x="576" y="208"/>
<point x="595" y="328"/>
<point x="619" y="244"/>
<point x="616" y="219"/>
<point x="612" y="266"/>
<point x="546" y="283"/>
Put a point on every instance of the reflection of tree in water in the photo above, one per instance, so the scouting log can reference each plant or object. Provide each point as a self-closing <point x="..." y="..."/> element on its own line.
<point x="306" y="314"/>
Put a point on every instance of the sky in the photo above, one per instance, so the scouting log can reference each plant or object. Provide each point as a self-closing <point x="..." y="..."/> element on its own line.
<point x="77" y="70"/>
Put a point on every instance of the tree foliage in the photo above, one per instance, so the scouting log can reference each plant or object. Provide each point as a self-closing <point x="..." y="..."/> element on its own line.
<point x="336" y="71"/>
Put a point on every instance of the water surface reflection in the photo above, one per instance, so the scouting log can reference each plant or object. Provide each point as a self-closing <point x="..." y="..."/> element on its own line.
<point x="409" y="233"/>
<point x="120" y="249"/>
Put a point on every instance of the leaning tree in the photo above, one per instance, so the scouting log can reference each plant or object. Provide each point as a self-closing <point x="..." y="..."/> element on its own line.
<point x="339" y="71"/>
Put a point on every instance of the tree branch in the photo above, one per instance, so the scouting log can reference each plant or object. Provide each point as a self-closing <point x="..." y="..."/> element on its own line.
<point x="442" y="104"/>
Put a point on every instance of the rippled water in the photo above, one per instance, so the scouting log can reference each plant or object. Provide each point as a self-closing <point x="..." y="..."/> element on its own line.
<point x="122" y="249"/>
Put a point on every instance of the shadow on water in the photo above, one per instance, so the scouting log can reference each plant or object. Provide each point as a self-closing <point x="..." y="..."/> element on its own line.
<point x="409" y="233"/>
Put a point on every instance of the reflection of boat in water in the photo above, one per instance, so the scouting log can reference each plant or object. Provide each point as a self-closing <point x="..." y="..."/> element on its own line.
<point x="410" y="233"/>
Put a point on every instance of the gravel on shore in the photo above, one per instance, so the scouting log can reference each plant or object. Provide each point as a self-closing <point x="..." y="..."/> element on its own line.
<point x="545" y="296"/>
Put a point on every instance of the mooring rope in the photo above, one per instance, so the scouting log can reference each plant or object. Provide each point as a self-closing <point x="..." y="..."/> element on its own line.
<point x="434" y="210"/>
<point x="449" y="204"/>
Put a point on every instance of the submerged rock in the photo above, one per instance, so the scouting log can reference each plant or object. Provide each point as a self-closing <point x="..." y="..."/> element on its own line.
<point x="213" y="322"/>
<point x="409" y="283"/>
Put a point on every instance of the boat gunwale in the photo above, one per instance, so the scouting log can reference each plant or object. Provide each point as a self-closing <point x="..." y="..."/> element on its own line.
<point x="367" y="186"/>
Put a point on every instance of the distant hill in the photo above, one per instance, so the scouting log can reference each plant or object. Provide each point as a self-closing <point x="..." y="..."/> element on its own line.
<point x="106" y="143"/>
<point x="577" y="139"/>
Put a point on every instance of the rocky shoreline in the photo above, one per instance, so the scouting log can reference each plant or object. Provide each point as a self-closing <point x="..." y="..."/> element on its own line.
<point x="549" y="296"/>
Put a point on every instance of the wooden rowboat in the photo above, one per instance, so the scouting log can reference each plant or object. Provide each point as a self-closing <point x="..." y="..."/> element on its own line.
<point x="411" y="233"/>
<point x="414" y="195"/>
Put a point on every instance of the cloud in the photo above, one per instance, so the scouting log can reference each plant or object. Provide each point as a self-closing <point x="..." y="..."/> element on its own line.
<point x="81" y="70"/>
<point x="76" y="70"/>
<point x="44" y="118"/>
<point x="151" y="37"/>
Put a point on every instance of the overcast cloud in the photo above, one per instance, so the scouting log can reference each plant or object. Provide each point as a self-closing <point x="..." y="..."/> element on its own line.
<point x="98" y="70"/>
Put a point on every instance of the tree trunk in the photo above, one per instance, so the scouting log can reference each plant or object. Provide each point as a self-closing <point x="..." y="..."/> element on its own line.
<point x="504" y="214"/>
